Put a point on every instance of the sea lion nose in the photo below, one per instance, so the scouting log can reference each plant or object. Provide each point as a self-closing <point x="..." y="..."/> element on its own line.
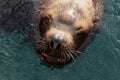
<point x="56" y="41"/>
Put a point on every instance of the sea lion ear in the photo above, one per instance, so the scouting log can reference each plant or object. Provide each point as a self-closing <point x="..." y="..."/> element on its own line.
<point x="78" y="30"/>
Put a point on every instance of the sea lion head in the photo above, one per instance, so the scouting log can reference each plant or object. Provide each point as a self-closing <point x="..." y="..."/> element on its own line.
<point x="63" y="29"/>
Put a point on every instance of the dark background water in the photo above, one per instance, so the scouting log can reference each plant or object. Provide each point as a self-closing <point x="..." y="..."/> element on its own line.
<point x="100" y="61"/>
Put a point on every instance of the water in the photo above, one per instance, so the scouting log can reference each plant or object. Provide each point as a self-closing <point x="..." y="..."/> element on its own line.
<point x="100" y="61"/>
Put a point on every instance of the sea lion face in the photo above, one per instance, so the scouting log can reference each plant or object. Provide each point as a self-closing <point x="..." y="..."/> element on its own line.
<point x="63" y="28"/>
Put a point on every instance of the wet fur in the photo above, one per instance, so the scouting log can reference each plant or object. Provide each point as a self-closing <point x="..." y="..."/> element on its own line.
<point x="29" y="14"/>
<point x="52" y="10"/>
<point x="85" y="20"/>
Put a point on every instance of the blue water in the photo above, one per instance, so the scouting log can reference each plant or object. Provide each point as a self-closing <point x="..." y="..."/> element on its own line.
<point x="100" y="61"/>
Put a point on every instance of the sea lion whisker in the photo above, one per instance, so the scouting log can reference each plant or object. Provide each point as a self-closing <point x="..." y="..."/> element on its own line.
<point x="39" y="46"/>
<point x="62" y="55"/>
<point x="38" y="10"/>
<point x="41" y="41"/>
<point x="73" y="52"/>
<point x="42" y="47"/>
<point x="42" y="38"/>
<point x="67" y="55"/>
<point x="71" y="55"/>
<point x="78" y="52"/>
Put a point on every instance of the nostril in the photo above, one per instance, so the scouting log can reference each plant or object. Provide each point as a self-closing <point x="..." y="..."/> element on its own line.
<point x="56" y="41"/>
<point x="58" y="46"/>
<point x="51" y="44"/>
<point x="55" y="45"/>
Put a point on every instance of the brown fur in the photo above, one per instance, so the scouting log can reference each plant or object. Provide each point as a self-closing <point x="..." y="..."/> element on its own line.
<point x="71" y="19"/>
<point x="84" y="13"/>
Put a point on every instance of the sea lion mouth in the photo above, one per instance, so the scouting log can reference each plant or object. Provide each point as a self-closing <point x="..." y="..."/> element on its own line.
<point x="56" y="56"/>
<point x="53" y="59"/>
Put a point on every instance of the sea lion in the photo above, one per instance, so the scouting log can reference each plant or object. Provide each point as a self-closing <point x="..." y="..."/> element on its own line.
<point x="60" y="30"/>
<point x="64" y="27"/>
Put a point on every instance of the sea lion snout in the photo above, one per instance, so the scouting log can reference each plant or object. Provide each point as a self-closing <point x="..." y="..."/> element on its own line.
<point x="57" y="40"/>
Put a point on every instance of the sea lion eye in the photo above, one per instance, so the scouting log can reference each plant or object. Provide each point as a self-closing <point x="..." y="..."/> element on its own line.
<point x="78" y="30"/>
<point x="46" y="20"/>
<point x="44" y="23"/>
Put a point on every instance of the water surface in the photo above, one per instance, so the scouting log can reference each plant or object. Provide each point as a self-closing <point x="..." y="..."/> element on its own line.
<point x="100" y="61"/>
